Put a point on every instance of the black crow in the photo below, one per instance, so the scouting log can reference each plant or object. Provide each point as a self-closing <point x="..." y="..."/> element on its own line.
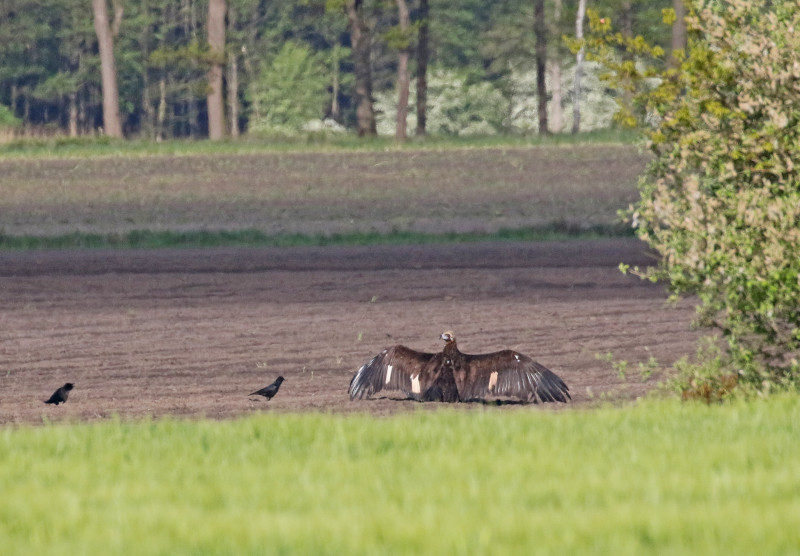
<point x="453" y="376"/>
<point x="269" y="391"/>
<point x="61" y="395"/>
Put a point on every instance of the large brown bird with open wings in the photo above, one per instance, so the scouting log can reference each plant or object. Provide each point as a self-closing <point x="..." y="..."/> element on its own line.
<point x="452" y="376"/>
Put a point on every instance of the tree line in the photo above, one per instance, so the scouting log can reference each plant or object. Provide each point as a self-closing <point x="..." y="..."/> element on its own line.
<point x="216" y="68"/>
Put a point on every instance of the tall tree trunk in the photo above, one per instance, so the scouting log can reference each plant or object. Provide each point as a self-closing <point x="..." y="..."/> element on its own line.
<point x="108" y="70"/>
<point x="216" y="43"/>
<point x="360" y="38"/>
<point x="73" y="114"/>
<point x="190" y="27"/>
<point x="423" y="53"/>
<point x="148" y="121"/>
<point x="247" y="49"/>
<point x="335" y="110"/>
<point x="576" y="92"/>
<point x="233" y="93"/>
<point x="540" y="28"/>
<point x="119" y="9"/>
<point x="14" y="97"/>
<point x="233" y="82"/>
<point x="678" y="31"/>
<point x="556" y="109"/>
<point x="402" y="72"/>
<point x="82" y="127"/>
<point x="161" y="116"/>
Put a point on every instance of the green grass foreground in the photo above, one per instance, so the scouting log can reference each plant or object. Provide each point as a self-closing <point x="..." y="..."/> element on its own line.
<point x="657" y="478"/>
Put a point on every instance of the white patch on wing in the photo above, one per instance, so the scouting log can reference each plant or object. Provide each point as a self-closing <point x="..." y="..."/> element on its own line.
<point x="492" y="381"/>
<point x="516" y="357"/>
<point x="415" y="384"/>
<point x="388" y="374"/>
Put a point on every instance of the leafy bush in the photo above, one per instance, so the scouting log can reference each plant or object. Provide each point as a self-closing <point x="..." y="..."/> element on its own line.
<point x="708" y="378"/>
<point x="721" y="201"/>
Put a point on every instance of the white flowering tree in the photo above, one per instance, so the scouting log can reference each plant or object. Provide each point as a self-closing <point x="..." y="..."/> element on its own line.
<point x="458" y="107"/>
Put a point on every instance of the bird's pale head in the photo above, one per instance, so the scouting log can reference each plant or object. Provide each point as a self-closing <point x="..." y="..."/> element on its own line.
<point x="448" y="336"/>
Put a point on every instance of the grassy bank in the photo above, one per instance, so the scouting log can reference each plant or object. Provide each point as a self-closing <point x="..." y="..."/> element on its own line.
<point x="147" y="239"/>
<point x="660" y="478"/>
<point x="90" y="147"/>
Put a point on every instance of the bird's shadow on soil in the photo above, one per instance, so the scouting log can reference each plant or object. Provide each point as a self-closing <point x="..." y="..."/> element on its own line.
<point x="469" y="401"/>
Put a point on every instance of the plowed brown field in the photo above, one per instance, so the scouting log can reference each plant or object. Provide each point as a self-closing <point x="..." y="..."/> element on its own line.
<point x="192" y="332"/>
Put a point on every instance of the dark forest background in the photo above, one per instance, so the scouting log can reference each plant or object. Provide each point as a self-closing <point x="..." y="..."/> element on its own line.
<point x="214" y="68"/>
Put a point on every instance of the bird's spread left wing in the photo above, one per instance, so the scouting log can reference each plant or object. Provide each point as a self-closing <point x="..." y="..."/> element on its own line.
<point x="395" y="368"/>
<point x="508" y="373"/>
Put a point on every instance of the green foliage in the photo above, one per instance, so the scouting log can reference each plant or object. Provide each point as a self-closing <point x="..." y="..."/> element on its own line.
<point x="397" y="38"/>
<point x="56" y="87"/>
<point x="621" y="367"/>
<point x="659" y="478"/>
<point x="721" y="201"/>
<point x="634" y="67"/>
<point x="290" y="90"/>
<point x="707" y="378"/>
<point x="7" y="118"/>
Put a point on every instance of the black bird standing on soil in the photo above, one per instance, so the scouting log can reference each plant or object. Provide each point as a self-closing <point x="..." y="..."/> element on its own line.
<point x="452" y="376"/>
<point x="61" y="395"/>
<point x="269" y="391"/>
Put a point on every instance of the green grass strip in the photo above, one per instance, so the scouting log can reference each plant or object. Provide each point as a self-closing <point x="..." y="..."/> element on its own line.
<point x="217" y="238"/>
<point x="83" y="147"/>
<point x="656" y="478"/>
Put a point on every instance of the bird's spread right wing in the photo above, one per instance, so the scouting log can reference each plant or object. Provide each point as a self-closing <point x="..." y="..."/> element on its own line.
<point x="396" y="368"/>
<point x="510" y="373"/>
